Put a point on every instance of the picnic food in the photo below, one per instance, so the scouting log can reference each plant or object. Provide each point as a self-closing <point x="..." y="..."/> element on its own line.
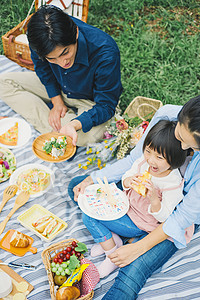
<point x="140" y="188"/>
<point x="55" y="147"/>
<point x="19" y="240"/>
<point x="33" y="180"/>
<point x="10" y="137"/>
<point x="68" y="293"/>
<point x="7" y="163"/>
<point x="47" y="226"/>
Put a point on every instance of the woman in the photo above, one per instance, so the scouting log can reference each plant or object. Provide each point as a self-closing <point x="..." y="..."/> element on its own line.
<point x="139" y="260"/>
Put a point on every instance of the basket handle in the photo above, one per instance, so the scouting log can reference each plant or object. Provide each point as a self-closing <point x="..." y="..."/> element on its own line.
<point x="24" y="61"/>
<point x="144" y="104"/>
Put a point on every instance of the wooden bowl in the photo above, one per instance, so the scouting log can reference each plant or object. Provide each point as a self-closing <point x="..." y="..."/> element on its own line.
<point x="38" y="144"/>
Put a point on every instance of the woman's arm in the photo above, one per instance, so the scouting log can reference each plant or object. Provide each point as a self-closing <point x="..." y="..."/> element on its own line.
<point x="126" y="254"/>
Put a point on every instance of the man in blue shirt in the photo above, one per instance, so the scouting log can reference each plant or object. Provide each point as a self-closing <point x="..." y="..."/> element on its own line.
<point x="79" y="66"/>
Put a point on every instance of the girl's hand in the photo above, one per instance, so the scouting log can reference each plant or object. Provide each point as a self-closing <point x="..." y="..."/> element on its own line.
<point x="126" y="254"/>
<point x="130" y="181"/>
<point x="80" y="188"/>
<point x="152" y="194"/>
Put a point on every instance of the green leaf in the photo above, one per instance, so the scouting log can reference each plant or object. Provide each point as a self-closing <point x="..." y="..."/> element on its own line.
<point x="73" y="263"/>
<point x="81" y="247"/>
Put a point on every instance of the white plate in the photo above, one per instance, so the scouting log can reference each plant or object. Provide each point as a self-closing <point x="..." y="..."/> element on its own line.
<point x="98" y="207"/>
<point x="17" y="172"/>
<point x="24" y="130"/>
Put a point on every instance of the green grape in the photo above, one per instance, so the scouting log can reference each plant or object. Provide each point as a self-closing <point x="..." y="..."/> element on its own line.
<point x="63" y="273"/>
<point x="60" y="269"/>
<point x="53" y="264"/>
<point x="67" y="271"/>
<point x="54" y="270"/>
<point x="57" y="265"/>
<point x="57" y="273"/>
<point x="64" y="265"/>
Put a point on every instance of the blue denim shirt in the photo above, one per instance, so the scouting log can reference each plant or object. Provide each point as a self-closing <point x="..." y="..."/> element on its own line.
<point x="188" y="211"/>
<point x="95" y="75"/>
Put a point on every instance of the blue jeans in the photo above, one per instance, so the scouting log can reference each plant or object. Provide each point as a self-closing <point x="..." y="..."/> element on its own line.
<point x="101" y="230"/>
<point x="132" y="278"/>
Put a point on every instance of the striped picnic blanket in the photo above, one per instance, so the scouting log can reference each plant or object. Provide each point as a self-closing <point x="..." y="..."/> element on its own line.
<point x="179" y="278"/>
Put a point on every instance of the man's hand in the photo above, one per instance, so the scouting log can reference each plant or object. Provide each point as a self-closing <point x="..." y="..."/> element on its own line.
<point x="58" y="111"/>
<point x="70" y="129"/>
<point x="80" y="188"/>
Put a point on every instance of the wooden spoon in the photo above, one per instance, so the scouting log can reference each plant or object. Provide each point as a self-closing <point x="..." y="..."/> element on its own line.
<point x="8" y="193"/>
<point x="21" y="199"/>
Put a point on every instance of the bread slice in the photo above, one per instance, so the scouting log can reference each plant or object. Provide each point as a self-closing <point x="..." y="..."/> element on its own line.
<point x="19" y="240"/>
<point x="140" y="188"/>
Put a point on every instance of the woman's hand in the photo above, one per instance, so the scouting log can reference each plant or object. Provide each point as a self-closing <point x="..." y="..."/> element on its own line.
<point x="80" y="188"/>
<point x="58" y="111"/>
<point x="126" y="254"/>
<point x="130" y="181"/>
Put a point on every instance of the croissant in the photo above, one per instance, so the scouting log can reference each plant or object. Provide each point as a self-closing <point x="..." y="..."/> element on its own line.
<point x="67" y="293"/>
<point x="19" y="240"/>
<point x="140" y="188"/>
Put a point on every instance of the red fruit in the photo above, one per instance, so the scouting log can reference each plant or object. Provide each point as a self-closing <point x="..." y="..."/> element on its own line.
<point x="67" y="256"/>
<point x="61" y="255"/>
<point x="55" y="260"/>
<point x="73" y="252"/>
<point x="60" y="260"/>
<point x="73" y="247"/>
<point x="68" y="249"/>
<point x="74" y="243"/>
<point x="64" y="252"/>
<point x="78" y="254"/>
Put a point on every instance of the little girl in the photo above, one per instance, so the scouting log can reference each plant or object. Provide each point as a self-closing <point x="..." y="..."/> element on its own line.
<point x="162" y="156"/>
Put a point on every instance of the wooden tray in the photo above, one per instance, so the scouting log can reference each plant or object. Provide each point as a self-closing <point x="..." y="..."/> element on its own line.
<point x="38" y="144"/>
<point x="5" y="244"/>
<point x="16" y="278"/>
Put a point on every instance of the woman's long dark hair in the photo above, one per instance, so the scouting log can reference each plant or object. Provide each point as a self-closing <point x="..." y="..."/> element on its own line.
<point x="190" y="117"/>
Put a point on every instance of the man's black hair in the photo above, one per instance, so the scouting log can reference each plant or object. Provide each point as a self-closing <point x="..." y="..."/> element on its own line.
<point x="161" y="138"/>
<point x="189" y="116"/>
<point x="50" y="27"/>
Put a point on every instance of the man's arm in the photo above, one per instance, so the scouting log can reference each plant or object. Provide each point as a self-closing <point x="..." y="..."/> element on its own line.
<point x="45" y="75"/>
<point x="107" y="89"/>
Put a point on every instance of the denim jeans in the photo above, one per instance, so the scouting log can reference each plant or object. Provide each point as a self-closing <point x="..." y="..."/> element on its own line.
<point x="101" y="230"/>
<point x="132" y="278"/>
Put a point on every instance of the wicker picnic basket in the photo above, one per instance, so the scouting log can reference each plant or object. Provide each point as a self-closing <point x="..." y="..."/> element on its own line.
<point x="47" y="257"/>
<point x="143" y="107"/>
<point x="19" y="52"/>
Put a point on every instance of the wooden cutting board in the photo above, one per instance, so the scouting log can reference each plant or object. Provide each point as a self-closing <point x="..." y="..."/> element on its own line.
<point x="16" y="278"/>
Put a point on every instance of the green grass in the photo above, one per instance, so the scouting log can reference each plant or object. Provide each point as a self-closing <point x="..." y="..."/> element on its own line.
<point x="158" y="41"/>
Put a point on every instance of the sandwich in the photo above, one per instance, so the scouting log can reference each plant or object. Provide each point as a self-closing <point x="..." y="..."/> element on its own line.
<point x="140" y="188"/>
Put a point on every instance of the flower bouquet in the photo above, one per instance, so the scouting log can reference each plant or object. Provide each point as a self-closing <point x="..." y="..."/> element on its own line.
<point x="121" y="136"/>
